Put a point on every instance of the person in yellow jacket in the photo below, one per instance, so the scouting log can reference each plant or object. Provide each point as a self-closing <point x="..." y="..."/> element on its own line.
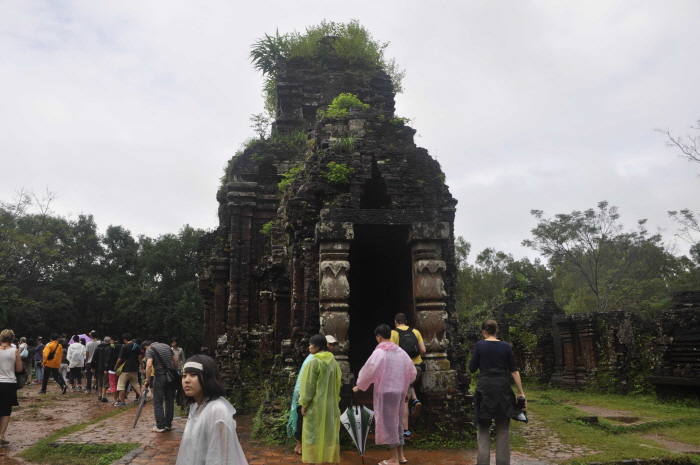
<point x="53" y="354"/>
<point x="319" y="394"/>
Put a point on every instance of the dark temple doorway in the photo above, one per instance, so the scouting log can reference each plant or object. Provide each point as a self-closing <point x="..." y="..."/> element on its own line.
<point x="380" y="285"/>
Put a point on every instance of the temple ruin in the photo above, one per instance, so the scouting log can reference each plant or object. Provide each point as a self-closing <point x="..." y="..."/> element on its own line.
<point x="332" y="226"/>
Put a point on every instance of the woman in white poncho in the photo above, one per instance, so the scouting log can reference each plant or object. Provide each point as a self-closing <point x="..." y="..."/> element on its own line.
<point x="210" y="434"/>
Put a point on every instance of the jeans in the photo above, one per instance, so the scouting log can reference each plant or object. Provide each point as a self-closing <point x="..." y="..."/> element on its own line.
<point x="163" y="392"/>
<point x="38" y="370"/>
<point x="48" y="372"/>
<point x="483" y="440"/>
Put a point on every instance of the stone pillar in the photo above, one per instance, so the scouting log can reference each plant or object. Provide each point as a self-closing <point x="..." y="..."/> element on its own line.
<point x="431" y="316"/>
<point x="334" y="291"/>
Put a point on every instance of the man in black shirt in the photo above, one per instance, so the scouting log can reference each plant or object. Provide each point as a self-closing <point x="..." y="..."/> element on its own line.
<point x="130" y="355"/>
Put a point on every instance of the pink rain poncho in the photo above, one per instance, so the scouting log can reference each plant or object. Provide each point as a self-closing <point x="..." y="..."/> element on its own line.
<point x="392" y="371"/>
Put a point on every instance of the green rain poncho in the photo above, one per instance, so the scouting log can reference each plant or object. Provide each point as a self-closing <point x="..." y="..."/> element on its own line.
<point x="319" y="393"/>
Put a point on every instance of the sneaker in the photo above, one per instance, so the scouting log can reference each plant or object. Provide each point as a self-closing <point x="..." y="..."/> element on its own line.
<point x="415" y="408"/>
<point x="42" y="392"/>
<point x="87" y="391"/>
<point x="168" y="428"/>
<point x="64" y="389"/>
<point x="104" y="399"/>
<point x="120" y="404"/>
<point x="155" y="429"/>
<point x="406" y="433"/>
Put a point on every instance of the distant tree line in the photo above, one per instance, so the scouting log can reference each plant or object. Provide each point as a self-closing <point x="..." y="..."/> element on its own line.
<point x="592" y="264"/>
<point x="61" y="275"/>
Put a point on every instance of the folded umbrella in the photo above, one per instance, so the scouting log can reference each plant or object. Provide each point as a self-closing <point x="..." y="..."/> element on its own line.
<point x="142" y="402"/>
<point x="356" y="420"/>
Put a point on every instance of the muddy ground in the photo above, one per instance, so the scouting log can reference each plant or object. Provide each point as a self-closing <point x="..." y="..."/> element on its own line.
<point x="39" y="415"/>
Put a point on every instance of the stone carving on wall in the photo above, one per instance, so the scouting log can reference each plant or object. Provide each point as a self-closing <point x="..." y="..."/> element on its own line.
<point x="428" y="283"/>
<point x="334" y="280"/>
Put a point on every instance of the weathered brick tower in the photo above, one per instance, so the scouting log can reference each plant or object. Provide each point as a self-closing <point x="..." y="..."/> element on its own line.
<point x="332" y="225"/>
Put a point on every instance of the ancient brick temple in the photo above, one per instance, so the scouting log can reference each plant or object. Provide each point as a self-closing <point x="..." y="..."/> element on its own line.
<point x="677" y="369"/>
<point x="333" y="226"/>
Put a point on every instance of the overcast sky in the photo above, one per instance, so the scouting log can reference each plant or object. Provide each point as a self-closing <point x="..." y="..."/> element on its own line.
<point x="129" y="110"/>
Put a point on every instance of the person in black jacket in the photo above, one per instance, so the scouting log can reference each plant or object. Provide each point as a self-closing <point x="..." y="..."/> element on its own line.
<point x="494" y="399"/>
<point x="101" y="363"/>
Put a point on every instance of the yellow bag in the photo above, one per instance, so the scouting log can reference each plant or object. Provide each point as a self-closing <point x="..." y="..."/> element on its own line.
<point x="121" y="367"/>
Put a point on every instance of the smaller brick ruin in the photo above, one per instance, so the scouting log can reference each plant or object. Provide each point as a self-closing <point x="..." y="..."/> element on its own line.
<point x="611" y="351"/>
<point x="677" y="371"/>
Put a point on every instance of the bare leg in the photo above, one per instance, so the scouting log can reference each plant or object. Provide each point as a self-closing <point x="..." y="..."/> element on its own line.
<point x="394" y="460"/>
<point x="399" y="453"/>
<point x="4" y="421"/>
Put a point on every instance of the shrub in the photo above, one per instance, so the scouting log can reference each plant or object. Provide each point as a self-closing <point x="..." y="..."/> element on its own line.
<point x="288" y="178"/>
<point x="338" y="173"/>
<point x="346" y="144"/>
<point x="340" y="106"/>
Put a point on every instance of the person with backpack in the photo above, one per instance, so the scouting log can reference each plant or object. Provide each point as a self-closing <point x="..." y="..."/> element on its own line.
<point x="53" y="354"/>
<point x="160" y="359"/>
<point x="411" y="341"/>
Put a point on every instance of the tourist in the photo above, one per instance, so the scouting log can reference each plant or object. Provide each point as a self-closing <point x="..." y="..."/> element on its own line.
<point x="52" y="356"/>
<point x="113" y="377"/>
<point x="210" y="433"/>
<point x="160" y="358"/>
<point x="38" y="356"/>
<point x="411" y="340"/>
<point x="10" y="362"/>
<point x="130" y="356"/>
<point x="319" y="394"/>
<point x="76" y="361"/>
<point x="63" y="369"/>
<point x="391" y="371"/>
<point x="296" y="419"/>
<point x="494" y="398"/>
<point x="101" y="365"/>
<point x="91" y="347"/>
<point x="179" y="353"/>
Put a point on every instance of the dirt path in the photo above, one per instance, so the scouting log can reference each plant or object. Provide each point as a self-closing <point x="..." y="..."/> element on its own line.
<point x="39" y="415"/>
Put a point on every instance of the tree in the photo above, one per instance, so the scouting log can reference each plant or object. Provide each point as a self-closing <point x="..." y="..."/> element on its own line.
<point x="689" y="147"/>
<point x="690" y="224"/>
<point x="611" y="262"/>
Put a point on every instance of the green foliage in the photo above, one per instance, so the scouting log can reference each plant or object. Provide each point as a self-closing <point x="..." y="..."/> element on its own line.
<point x="349" y="43"/>
<point x="400" y="121"/>
<point x="346" y="144"/>
<point x="267" y="228"/>
<point x="288" y="178"/>
<point x="338" y="173"/>
<point x="612" y="263"/>
<point x="59" y="275"/>
<point x="481" y="286"/>
<point x="341" y="105"/>
<point x="261" y="125"/>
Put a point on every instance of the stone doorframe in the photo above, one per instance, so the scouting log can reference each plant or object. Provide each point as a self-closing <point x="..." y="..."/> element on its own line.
<point x="428" y="297"/>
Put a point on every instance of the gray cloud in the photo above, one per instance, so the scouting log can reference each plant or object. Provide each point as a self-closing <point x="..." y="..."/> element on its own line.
<point x="129" y="110"/>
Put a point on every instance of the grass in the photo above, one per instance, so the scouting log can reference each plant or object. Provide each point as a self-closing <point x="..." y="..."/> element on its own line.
<point x="611" y="441"/>
<point x="46" y="451"/>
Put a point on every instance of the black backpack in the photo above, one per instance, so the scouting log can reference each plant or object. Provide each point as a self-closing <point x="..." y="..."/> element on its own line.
<point x="408" y="342"/>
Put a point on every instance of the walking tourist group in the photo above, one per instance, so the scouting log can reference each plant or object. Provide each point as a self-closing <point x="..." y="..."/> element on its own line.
<point x="118" y="365"/>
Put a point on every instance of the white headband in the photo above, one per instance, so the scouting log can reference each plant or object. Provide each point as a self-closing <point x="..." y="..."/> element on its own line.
<point x="196" y="365"/>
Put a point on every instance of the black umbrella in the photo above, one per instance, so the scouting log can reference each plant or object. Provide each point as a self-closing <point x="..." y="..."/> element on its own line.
<point x="142" y="402"/>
